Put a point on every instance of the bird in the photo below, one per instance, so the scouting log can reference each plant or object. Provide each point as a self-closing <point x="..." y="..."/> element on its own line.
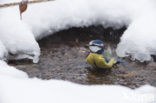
<point x="100" y="58"/>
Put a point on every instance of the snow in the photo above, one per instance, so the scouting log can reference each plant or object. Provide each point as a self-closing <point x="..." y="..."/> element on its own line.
<point x="6" y="70"/>
<point x="16" y="87"/>
<point x="19" y="38"/>
<point x="3" y="51"/>
<point x="43" y="19"/>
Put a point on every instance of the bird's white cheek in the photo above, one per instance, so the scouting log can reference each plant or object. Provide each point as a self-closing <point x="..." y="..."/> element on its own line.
<point x="94" y="48"/>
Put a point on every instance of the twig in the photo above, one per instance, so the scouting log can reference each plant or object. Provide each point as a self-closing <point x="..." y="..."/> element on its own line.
<point x="17" y="3"/>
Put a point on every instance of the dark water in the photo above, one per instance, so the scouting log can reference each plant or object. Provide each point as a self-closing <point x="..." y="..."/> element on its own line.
<point x="63" y="57"/>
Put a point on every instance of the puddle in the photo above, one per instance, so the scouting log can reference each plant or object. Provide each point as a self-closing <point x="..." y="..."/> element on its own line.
<point x="63" y="57"/>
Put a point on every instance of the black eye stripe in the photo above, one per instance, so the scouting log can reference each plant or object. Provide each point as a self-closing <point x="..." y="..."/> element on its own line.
<point x="95" y="45"/>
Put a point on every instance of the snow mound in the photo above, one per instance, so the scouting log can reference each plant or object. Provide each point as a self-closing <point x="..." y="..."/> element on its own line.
<point x="6" y="70"/>
<point x="15" y="87"/>
<point x="17" y="37"/>
<point x="139" y="40"/>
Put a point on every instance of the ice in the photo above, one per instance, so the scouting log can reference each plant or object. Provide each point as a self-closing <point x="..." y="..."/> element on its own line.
<point x="16" y="87"/>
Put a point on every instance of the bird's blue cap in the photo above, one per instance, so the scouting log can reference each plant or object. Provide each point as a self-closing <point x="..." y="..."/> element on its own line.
<point x="96" y="43"/>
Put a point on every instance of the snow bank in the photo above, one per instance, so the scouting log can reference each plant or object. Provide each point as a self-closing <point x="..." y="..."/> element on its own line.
<point x="15" y="87"/>
<point x="17" y="37"/>
<point x="139" y="39"/>
<point x="43" y="19"/>
<point x="8" y="71"/>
